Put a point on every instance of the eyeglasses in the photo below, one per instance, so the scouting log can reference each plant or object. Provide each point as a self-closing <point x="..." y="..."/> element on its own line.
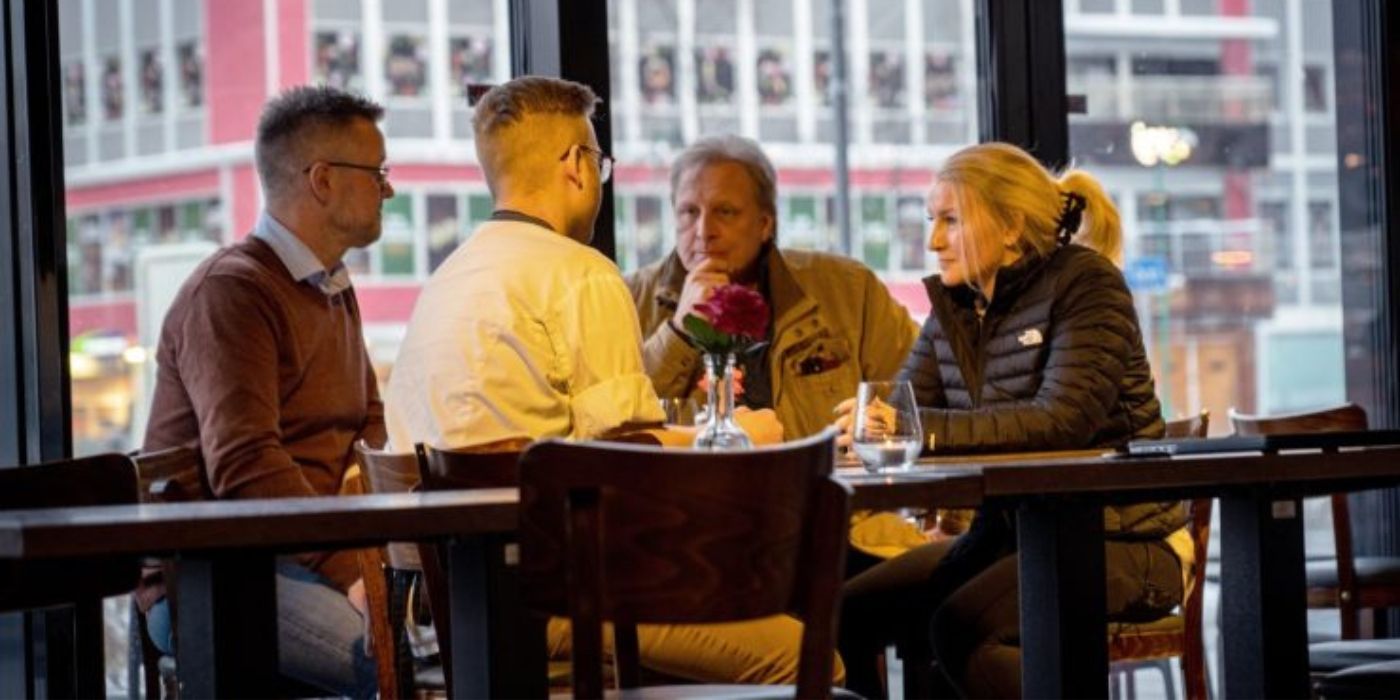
<point x="381" y="172"/>
<point x="605" y="161"/>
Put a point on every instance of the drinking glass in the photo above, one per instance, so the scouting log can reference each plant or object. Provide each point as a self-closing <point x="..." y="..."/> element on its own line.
<point x="887" y="432"/>
<point x="680" y="410"/>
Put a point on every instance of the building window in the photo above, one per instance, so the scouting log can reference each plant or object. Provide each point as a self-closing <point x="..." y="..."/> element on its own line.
<point x="191" y="74"/>
<point x="1315" y="88"/>
<point x="152" y="83"/>
<point x="113" y="101"/>
<point x="406" y="66"/>
<point x="337" y="59"/>
<point x="74" y="94"/>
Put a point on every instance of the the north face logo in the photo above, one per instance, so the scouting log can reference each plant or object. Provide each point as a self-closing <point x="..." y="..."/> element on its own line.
<point x="1030" y="338"/>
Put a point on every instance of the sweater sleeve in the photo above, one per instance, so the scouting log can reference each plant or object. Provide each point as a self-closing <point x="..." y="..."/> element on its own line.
<point x="1091" y="327"/>
<point x="229" y="364"/>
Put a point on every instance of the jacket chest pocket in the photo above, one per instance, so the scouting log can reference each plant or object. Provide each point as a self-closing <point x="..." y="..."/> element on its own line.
<point x="822" y="366"/>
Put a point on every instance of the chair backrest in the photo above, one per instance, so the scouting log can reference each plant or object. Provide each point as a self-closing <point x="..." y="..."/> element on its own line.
<point x="171" y="475"/>
<point x="1196" y="426"/>
<point x="484" y="467"/>
<point x="639" y="534"/>
<point x="1190" y="427"/>
<point x="107" y="479"/>
<point x="391" y="472"/>
<point x="1346" y="417"/>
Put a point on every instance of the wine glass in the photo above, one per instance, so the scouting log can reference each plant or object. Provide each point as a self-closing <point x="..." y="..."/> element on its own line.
<point x="681" y="410"/>
<point x="887" y="433"/>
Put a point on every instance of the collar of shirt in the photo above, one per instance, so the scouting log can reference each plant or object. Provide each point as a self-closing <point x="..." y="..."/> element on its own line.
<point x="301" y="263"/>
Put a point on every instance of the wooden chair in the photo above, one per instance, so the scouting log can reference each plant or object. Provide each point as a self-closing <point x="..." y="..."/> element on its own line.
<point x="164" y="476"/>
<point x="107" y="479"/>
<point x="487" y="466"/>
<point x="633" y="534"/>
<point x="1346" y="582"/>
<point x="176" y="475"/>
<point x="1179" y="635"/>
<point x="389" y="579"/>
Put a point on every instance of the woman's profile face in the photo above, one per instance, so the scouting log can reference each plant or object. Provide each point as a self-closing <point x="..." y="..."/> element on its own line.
<point x="963" y="256"/>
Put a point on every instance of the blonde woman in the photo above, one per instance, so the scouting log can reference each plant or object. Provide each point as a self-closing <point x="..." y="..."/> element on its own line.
<point x="1032" y="344"/>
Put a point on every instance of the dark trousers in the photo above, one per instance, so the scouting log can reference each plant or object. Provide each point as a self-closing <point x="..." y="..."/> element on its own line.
<point x="972" y="586"/>
<point x="976" y="632"/>
<point x="893" y="602"/>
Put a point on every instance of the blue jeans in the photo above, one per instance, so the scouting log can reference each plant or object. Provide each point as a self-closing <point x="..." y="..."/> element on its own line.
<point x="320" y="636"/>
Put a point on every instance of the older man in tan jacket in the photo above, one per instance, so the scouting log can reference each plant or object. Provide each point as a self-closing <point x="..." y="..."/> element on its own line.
<point x="834" y="323"/>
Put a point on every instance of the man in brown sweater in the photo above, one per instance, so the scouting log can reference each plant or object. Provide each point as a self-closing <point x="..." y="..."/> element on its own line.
<point x="263" y="368"/>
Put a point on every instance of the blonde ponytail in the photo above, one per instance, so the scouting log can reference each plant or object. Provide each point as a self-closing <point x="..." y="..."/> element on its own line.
<point x="1100" y="228"/>
<point x="1000" y="185"/>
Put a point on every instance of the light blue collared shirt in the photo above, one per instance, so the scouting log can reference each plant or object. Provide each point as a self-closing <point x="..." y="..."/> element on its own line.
<point x="303" y="264"/>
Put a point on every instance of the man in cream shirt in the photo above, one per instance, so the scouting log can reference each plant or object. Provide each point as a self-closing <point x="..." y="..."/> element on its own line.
<point x="525" y="333"/>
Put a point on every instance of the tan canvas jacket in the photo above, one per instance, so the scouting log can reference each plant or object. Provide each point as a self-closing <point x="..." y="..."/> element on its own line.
<point x="835" y="324"/>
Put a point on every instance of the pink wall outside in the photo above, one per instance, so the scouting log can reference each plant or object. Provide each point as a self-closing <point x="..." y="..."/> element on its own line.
<point x="180" y="186"/>
<point x="293" y="37"/>
<point x="235" y="68"/>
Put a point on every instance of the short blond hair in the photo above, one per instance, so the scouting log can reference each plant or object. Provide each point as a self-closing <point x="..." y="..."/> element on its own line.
<point x="998" y="183"/>
<point x="509" y="103"/>
<point x="507" y="160"/>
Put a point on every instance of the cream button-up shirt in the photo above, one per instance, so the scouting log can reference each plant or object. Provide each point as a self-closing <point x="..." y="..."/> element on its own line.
<point x="520" y="333"/>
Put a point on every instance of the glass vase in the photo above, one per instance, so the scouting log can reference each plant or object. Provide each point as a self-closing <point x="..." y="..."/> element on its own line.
<point x="721" y="432"/>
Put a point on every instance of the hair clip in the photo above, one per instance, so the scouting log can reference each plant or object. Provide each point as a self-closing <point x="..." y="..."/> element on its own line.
<point x="1071" y="216"/>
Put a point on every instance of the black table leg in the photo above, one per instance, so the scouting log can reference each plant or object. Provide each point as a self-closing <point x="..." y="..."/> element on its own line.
<point x="226" y="626"/>
<point x="498" y="650"/>
<point x="1064" y="648"/>
<point x="16" y="656"/>
<point x="1263" y="597"/>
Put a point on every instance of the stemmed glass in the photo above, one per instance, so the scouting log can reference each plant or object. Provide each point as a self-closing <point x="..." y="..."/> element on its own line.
<point x="887" y="433"/>
<point x="681" y="411"/>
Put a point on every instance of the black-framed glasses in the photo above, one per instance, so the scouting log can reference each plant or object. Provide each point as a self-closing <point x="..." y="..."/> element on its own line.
<point x="380" y="171"/>
<point x="605" y="161"/>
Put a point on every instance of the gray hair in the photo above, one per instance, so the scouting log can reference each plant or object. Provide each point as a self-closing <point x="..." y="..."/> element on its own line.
<point x="291" y="119"/>
<point x="731" y="149"/>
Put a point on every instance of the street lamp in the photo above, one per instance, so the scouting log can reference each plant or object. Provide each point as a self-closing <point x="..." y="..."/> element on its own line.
<point x="1161" y="147"/>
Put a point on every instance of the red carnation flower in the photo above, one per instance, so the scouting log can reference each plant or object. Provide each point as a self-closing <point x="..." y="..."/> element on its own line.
<point x="736" y="310"/>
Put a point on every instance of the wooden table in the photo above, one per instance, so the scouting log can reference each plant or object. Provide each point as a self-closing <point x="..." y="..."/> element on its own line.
<point x="227" y="621"/>
<point x="1058" y="500"/>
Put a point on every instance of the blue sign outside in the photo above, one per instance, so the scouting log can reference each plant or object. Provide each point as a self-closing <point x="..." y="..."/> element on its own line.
<point x="1147" y="273"/>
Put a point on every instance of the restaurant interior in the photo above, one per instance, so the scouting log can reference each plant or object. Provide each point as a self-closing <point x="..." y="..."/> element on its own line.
<point x="1249" y="150"/>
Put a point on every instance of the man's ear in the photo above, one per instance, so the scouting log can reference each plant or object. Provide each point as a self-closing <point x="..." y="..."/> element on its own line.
<point x="573" y="167"/>
<point x="318" y="180"/>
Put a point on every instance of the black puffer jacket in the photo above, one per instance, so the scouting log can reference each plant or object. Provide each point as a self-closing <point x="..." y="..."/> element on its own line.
<point x="1056" y="362"/>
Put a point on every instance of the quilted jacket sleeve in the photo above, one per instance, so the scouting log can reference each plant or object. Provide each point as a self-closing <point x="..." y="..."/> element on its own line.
<point x="1090" y="338"/>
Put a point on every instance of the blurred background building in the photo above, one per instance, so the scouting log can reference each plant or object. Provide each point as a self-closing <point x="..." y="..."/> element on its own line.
<point x="1212" y="122"/>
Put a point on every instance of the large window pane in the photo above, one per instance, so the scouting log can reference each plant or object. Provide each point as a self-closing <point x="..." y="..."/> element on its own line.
<point x="684" y="69"/>
<point x="160" y="102"/>
<point x="158" y="144"/>
<point x="1183" y="127"/>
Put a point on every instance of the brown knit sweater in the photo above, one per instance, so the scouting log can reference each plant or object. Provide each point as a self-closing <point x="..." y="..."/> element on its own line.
<point x="268" y="378"/>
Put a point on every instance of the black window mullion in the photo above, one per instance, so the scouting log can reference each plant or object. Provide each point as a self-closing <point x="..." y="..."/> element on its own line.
<point x="34" y="213"/>
<point x="569" y="39"/>
<point x="1021" y="76"/>
<point x="39" y="649"/>
<point x="1366" y="46"/>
